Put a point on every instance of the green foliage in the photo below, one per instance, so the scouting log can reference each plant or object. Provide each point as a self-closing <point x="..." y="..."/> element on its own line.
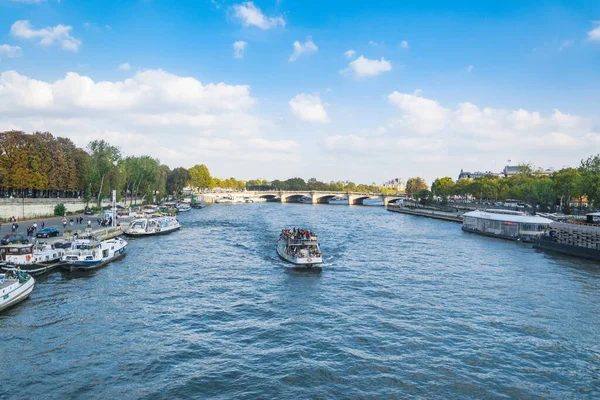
<point x="589" y="184"/>
<point x="443" y="187"/>
<point x="59" y="210"/>
<point x="415" y="185"/>
<point x="200" y="177"/>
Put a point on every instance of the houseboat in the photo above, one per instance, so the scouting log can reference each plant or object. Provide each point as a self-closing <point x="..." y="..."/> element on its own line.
<point x="86" y="254"/>
<point x="575" y="239"/>
<point x="152" y="226"/>
<point x="299" y="247"/>
<point x="34" y="259"/>
<point x="505" y="224"/>
<point x="15" y="286"/>
<point x="183" y="208"/>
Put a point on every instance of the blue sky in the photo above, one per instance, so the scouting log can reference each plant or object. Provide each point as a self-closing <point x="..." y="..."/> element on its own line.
<point x="431" y="87"/>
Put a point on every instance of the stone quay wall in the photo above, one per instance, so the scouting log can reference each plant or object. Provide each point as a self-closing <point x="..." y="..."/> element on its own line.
<point x="34" y="208"/>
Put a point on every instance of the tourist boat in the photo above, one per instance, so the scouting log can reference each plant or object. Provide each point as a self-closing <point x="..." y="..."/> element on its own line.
<point x="575" y="239"/>
<point x="229" y="200"/>
<point x="88" y="254"/>
<point x="15" y="286"/>
<point x="152" y="226"/>
<point x="150" y="209"/>
<point x="305" y="200"/>
<point x="299" y="247"/>
<point x="505" y="224"/>
<point x="34" y="259"/>
<point x="183" y="208"/>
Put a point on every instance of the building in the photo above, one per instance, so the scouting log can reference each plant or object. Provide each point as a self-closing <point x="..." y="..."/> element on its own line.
<point x="475" y="175"/>
<point x="396" y="184"/>
<point x="511" y="170"/>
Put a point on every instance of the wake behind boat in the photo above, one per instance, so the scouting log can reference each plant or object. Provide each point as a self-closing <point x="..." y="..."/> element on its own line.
<point x="15" y="286"/>
<point x="152" y="226"/>
<point x="33" y="259"/>
<point x="299" y="247"/>
<point x="88" y="254"/>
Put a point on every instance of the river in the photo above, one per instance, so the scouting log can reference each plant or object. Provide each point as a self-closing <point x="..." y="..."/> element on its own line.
<point x="404" y="307"/>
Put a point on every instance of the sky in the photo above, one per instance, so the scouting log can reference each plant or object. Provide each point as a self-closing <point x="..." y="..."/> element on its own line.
<point x="336" y="90"/>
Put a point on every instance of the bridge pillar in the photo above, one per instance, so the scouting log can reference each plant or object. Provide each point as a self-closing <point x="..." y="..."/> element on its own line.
<point x="283" y="197"/>
<point x="385" y="200"/>
<point x="351" y="199"/>
<point x="315" y="198"/>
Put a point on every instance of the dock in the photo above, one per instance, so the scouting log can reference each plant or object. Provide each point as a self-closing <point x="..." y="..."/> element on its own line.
<point x="427" y="212"/>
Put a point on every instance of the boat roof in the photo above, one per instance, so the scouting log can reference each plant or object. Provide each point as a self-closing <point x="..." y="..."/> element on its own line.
<point x="18" y="245"/>
<point x="527" y="219"/>
<point x="594" y="214"/>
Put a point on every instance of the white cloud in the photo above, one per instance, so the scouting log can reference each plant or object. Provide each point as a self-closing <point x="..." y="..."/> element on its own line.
<point x="421" y="114"/>
<point x="238" y="49"/>
<point x="469" y="69"/>
<point x="9" y="51"/>
<point x="124" y="67"/>
<point x="59" y="34"/>
<point x="564" y="44"/>
<point x="429" y="139"/>
<point x="363" y="67"/>
<point x="350" y="53"/>
<point x="208" y="122"/>
<point x="403" y="44"/>
<point x="594" y="34"/>
<point x="309" y="108"/>
<point x="307" y="47"/>
<point x="250" y="15"/>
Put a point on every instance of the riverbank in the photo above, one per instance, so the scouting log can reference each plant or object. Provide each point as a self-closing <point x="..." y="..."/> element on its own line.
<point x="427" y="212"/>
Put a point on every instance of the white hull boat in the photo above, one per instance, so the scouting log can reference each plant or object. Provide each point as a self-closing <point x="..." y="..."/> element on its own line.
<point x="15" y="286"/>
<point x="183" y="208"/>
<point x="299" y="248"/>
<point x="305" y="200"/>
<point x="86" y="254"/>
<point x="152" y="226"/>
<point x="30" y="258"/>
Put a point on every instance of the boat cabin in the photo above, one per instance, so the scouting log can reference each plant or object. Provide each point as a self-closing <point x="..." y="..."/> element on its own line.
<point x="506" y="224"/>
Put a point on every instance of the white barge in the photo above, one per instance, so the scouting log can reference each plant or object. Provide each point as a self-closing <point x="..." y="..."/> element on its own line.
<point x="86" y="254"/>
<point x="299" y="247"/>
<point x="152" y="226"/>
<point x="34" y="259"/>
<point x="15" y="286"/>
<point x="505" y="224"/>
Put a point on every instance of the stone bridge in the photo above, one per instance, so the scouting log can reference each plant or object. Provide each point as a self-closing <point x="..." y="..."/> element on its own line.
<point x="317" y="197"/>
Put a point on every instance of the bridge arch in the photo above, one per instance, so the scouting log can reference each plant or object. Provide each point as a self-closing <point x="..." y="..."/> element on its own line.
<point x="291" y="197"/>
<point x="269" y="197"/>
<point x="323" y="199"/>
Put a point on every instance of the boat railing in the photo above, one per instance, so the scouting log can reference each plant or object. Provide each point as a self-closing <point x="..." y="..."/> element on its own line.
<point x="80" y="252"/>
<point x="312" y="240"/>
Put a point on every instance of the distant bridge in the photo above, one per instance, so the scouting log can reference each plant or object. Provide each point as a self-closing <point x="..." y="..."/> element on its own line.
<point x="317" y="197"/>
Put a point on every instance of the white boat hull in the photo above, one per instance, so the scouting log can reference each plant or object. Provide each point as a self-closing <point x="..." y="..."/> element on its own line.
<point x="17" y="294"/>
<point x="305" y="262"/>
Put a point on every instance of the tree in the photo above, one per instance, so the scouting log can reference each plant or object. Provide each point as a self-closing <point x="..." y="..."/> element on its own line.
<point x="200" y="177"/>
<point x="590" y="179"/>
<point x="566" y="182"/>
<point x="103" y="159"/>
<point x="177" y="180"/>
<point x="414" y="185"/>
<point x="443" y="187"/>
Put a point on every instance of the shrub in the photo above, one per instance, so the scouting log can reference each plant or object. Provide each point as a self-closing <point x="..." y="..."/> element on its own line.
<point x="59" y="210"/>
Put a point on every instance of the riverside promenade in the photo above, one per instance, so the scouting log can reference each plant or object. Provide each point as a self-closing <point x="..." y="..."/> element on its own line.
<point x="428" y="212"/>
<point x="101" y="232"/>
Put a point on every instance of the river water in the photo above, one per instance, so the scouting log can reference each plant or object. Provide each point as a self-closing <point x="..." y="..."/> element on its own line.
<point x="404" y="307"/>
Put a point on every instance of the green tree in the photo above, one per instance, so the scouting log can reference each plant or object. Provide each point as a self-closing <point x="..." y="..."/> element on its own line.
<point x="566" y="184"/>
<point x="177" y="180"/>
<point x="443" y="187"/>
<point x="415" y="185"/>
<point x="200" y="177"/>
<point x="103" y="159"/>
<point x="590" y="179"/>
